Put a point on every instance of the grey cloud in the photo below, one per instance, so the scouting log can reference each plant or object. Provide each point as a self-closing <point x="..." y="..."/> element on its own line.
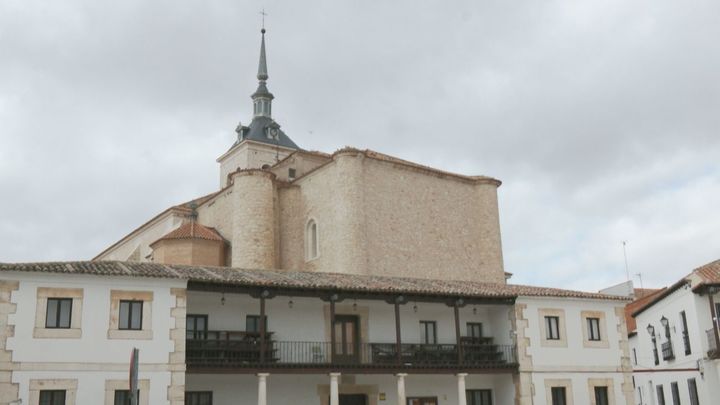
<point x="601" y="118"/>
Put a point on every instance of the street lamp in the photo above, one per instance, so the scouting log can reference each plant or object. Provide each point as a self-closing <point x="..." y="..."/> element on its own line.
<point x="664" y="322"/>
<point x="651" y="330"/>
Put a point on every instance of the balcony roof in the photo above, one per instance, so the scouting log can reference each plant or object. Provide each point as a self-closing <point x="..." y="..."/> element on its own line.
<point x="307" y="281"/>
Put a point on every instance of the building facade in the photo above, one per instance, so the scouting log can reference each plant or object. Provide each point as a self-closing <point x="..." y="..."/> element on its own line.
<point x="333" y="339"/>
<point x="675" y="347"/>
<point x="351" y="278"/>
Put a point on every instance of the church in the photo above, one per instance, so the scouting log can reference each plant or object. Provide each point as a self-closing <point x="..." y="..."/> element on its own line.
<point x="352" y="211"/>
<point x="343" y="278"/>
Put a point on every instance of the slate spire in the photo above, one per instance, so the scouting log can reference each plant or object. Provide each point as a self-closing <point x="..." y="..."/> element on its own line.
<point x="262" y="98"/>
<point x="262" y="66"/>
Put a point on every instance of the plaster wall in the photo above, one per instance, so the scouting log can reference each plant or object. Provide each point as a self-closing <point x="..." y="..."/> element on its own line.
<point x="581" y="392"/>
<point x="93" y="346"/>
<point x="684" y="366"/>
<point x="311" y="389"/>
<point x="306" y="321"/>
<point x="126" y="250"/>
<point x="91" y="356"/>
<point x="91" y="384"/>
<point x="574" y="355"/>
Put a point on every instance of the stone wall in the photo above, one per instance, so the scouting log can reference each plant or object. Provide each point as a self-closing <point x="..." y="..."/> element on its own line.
<point x="8" y="390"/>
<point x="377" y="217"/>
<point x="253" y="237"/>
<point x="199" y="252"/>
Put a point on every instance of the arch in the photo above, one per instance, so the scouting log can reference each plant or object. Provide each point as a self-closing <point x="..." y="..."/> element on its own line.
<point x="312" y="241"/>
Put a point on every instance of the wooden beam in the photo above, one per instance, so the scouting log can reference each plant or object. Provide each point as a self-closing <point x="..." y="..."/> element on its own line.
<point x="456" y="310"/>
<point x="262" y="329"/>
<point x="398" y="340"/>
<point x="332" y="330"/>
<point x="325" y="294"/>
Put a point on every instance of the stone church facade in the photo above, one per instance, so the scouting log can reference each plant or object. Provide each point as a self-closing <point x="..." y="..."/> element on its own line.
<point x="352" y="211"/>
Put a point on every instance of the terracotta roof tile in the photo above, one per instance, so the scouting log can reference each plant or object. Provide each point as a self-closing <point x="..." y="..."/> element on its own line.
<point x="303" y="280"/>
<point x="709" y="273"/>
<point x="644" y="296"/>
<point x="192" y="230"/>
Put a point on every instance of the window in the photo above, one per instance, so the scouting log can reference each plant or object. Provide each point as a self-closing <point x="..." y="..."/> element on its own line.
<point x="692" y="389"/>
<point x="291" y="173"/>
<point x="428" y="332"/>
<point x="58" y="313"/>
<point x="593" y="325"/>
<point x="660" y="394"/>
<point x="552" y="327"/>
<point x="479" y="397"/>
<point x="122" y="397"/>
<point x="685" y="335"/>
<point x="311" y="240"/>
<point x="675" y="393"/>
<point x="130" y="315"/>
<point x="601" y="395"/>
<point x="558" y="396"/>
<point x="252" y="323"/>
<point x="196" y="327"/>
<point x="198" y="398"/>
<point x="422" y="401"/>
<point x="52" y="397"/>
<point x="474" y="329"/>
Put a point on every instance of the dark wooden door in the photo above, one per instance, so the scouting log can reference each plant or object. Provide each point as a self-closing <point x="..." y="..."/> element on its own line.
<point x="347" y="338"/>
<point x="353" y="399"/>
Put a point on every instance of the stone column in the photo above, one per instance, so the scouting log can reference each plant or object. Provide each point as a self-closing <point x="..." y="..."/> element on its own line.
<point x="462" y="399"/>
<point x="401" y="388"/>
<point x="334" y="392"/>
<point x="262" y="388"/>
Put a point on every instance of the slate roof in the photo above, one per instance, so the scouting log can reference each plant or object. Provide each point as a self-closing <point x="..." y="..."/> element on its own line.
<point x="302" y="280"/>
<point x="256" y="132"/>
<point x="192" y="230"/>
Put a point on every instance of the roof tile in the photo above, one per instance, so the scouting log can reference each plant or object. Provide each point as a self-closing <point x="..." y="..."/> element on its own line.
<point x="303" y="280"/>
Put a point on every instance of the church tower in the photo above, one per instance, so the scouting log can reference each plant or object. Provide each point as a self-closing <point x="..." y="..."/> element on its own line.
<point x="262" y="143"/>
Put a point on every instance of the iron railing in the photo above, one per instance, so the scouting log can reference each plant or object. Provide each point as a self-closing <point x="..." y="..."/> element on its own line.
<point x="217" y="353"/>
<point x="712" y="343"/>
<point x="667" y="351"/>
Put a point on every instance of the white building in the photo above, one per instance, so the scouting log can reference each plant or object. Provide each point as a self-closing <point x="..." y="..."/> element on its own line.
<point x="68" y="329"/>
<point x="674" y="349"/>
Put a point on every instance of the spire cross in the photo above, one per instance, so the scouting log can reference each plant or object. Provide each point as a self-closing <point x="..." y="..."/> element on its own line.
<point x="264" y="14"/>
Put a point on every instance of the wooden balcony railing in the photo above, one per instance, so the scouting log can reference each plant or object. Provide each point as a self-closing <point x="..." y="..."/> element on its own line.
<point x="245" y="353"/>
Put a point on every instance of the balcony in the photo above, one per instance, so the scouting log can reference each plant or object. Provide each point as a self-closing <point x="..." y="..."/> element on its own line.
<point x="227" y="351"/>
<point x="713" y="351"/>
<point x="667" y="351"/>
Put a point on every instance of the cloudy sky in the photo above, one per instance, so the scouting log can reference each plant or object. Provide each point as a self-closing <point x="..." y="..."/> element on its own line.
<point x="601" y="118"/>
